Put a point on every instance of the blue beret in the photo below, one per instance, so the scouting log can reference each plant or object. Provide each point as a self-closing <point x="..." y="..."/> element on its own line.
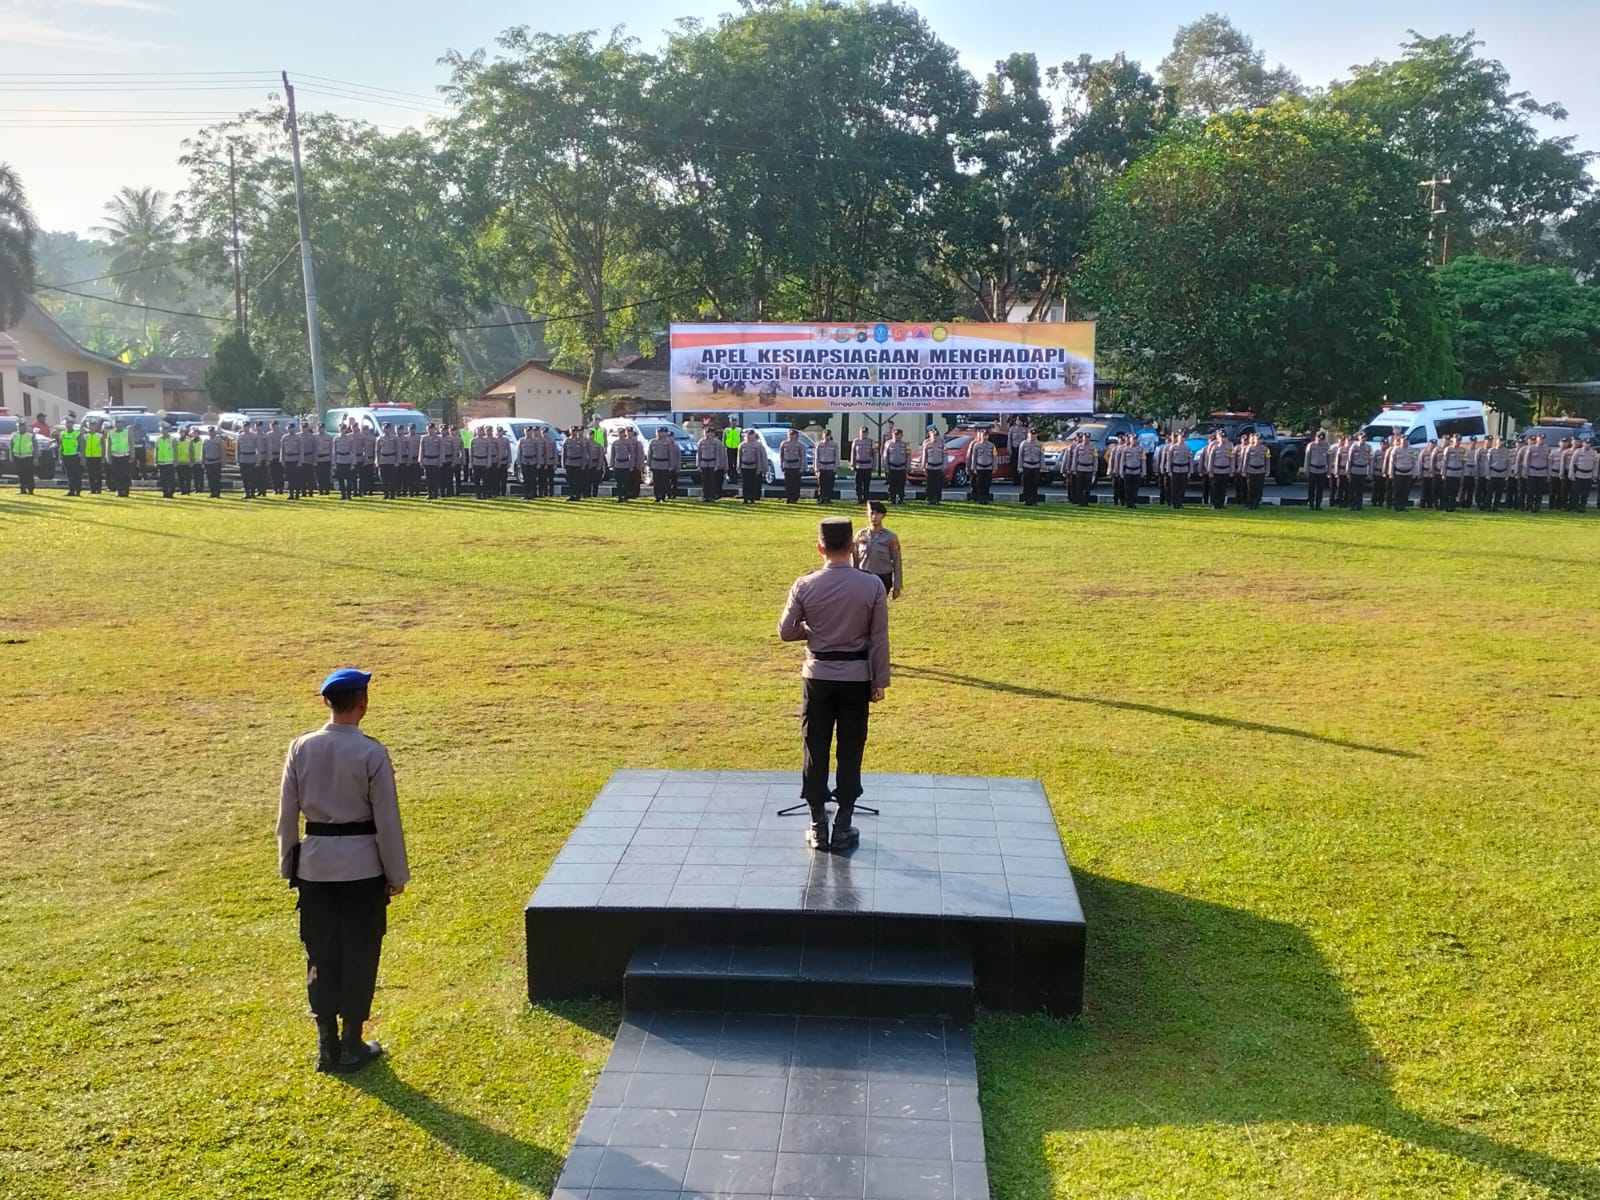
<point x="345" y="679"/>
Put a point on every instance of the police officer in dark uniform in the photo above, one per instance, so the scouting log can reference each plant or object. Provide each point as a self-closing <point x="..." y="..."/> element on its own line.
<point x="842" y="615"/>
<point x="348" y="866"/>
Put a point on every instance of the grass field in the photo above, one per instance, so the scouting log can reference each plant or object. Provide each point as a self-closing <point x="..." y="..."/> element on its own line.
<point x="1327" y="780"/>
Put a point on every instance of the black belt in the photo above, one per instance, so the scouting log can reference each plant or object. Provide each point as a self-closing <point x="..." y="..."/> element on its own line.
<point x="340" y="829"/>
<point x="840" y="655"/>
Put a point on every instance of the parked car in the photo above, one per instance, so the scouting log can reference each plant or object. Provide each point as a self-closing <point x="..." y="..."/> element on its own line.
<point x="646" y="425"/>
<point x="957" y="445"/>
<point x="1102" y="428"/>
<point x="375" y="417"/>
<point x="1286" y="452"/>
<point x="1553" y="429"/>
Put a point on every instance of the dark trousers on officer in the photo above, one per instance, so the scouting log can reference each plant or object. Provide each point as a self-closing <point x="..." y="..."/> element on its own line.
<point x="1579" y="499"/>
<point x="74" y="466"/>
<point x="275" y="468"/>
<point x="935" y="485"/>
<point x="661" y="484"/>
<point x="121" y="476"/>
<point x="1355" y="492"/>
<point x="863" y="486"/>
<point x="710" y="485"/>
<point x="1085" y="482"/>
<point x="825" y="487"/>
<point x="96" y="468"/>
<point x="1177" y="488"/>
<point x="1130" y="490"/>
<point x="214" y="479"/>
<point x="1253" y="485"/>
<point x="982" y="485"/>
<point x="168" y="474"/>
<point x="897" y="485"/>
<point x="1400" y="492"/>
<point x="1316" y="488"/>
<point x="752" y="486"/>
<point x="833" y="710"/>
<point x="1030" y="485"/>
<point x="1219" y="491"/>
<point x="791" y="485"/>
<point x="342" y="927"/>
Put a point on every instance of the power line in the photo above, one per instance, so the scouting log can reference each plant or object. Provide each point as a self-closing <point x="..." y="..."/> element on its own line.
<point x="171" y="262"/>
<point x="365" y="87"/>
<point x="173" y="312"/>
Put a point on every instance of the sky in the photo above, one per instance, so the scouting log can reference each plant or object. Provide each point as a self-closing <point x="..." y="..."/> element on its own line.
<point x="98" y="94"/>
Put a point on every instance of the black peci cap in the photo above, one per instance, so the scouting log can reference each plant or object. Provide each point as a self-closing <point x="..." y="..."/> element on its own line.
<point x="835" y="532"/>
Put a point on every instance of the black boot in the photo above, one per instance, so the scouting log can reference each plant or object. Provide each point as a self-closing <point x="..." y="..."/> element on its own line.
<point x="328" y="1051"/>
<point x="354" y="1052"/>
<point x="845" y="835"/>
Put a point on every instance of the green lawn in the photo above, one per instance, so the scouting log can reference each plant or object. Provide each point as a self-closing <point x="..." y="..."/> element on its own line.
<point x="1326" y="780"/>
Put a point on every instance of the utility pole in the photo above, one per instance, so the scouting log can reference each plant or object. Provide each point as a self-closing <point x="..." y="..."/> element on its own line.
<point x="318" y="385"/>
<point x="1437" y="210"/>
<point x="233" y="219"/>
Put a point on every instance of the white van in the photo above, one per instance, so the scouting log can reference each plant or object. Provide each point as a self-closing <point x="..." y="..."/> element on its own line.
<point x="514" y="428"/>
<point x="375" y="417"/>
<point x="1429" y="420"/>
<point x="645" y="425"/>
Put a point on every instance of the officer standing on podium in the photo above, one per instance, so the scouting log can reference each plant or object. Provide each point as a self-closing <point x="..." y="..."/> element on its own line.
<point x="843" y="617"/>
<point x="351" y="862"/>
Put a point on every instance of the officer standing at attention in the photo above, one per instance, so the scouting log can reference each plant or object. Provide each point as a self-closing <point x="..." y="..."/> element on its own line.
<point x="119" y="447"/>
<point x="792" y="458"/>
<point x="22" y="458"/>
<point x="896" y="458"/>
<point x="841" y="615"/>
<point x="933" y="465"/>
<point x="308" y="458"/>
<point x="877" y="551"/>
<point x="211" y="463"/>
<point x="1030" y="461"/>
<point x="1132" y="471"/>
<point x="980" y="460"/>
<point x="827" y="464"/>
<point x="350" y="863"/>
<point x="1015" y="436"/>
<point x="665" y="461"/>
<point x="708" y="458"/>
<point x="289" y="455"/>
<point x="1085" y="466"/>
<point x="752" y="466"/>
<point x="94" y="457"/>
<point x="732" y="439"/>
<point x="70" y="446"/>
<point x="862" y="460"/>
<point x="184" y="457"/>
<point x="166" y="462"/>
<point x="594" y="450"/>
<point x="1179" y="461"/>
<point x="1318" y="461"/>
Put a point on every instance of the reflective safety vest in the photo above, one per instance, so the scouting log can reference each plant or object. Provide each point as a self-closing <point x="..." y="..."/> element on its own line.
<point x="182" y="451"/>
<point x="69" y="443"/>
<point x="92" y="445"/>
<point x="731" y="438"/>
<point x="466" y="437"/>
<point x="22" y="444"/>
<point x="166" y="449"/>
<point x="121" y="443"/>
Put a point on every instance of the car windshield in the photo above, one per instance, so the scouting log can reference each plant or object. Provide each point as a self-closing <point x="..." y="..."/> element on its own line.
<point x="1374" y="433"/>
<point x="418" y="422"/>
<point x="8" y="424"/>
<point x="958" y="441"/>
<point x="647" y="429"/>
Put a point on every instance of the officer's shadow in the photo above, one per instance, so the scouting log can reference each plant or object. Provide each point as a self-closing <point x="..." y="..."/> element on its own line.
<point x="1204" y="1015"/>
<point x="521" y="1162"/>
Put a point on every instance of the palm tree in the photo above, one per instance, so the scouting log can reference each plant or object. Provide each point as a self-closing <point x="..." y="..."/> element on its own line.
<point x="143" y="230"/>
<point x="17" y="231"/>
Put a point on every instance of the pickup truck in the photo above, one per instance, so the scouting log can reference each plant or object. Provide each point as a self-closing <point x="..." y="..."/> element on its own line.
<point x="1102" y="428"/>
<point x="1286" y="451"/>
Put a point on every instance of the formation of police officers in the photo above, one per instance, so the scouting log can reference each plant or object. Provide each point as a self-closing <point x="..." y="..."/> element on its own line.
<point x="301" y="459"/>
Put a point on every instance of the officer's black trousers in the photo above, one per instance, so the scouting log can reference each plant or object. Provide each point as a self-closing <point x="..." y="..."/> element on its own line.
<point x="1085" y="481"/>
<point x="825" y="487"/>
<point x="342" y="927"/>
<point x="121" y="476"/>
<point x="897" y="485"/>
<point x="1316" y="487"/>
<point x="752" y="486"/>
<point x="791" y="485"/>
<point x="1253" y="488"/>
<point x="710" y="485"/>
<point x="1400" y="492"/>
<point x="168" y="475"/>
<point x="214" y="479"/>
<point x="1219" y="491"/>
<point x="1130" y="490"/>
<point x="1580" y="494"/>
<point x="1030" y="485"/>
<point x="74" y="466"/>
<point x="1355" y="492"/>
<point x="275" y="468"/>
<point x="863" y="486"/>
<point x="935" y="484"/>
<point x="96" y="467"/>
<point x="661" y="483"/>
<point x="829" y="708"/>
<point x="982" y="482"/>
<point x="1177" y="488"/>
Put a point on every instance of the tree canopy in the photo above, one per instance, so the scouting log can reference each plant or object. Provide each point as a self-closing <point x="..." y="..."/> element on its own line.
<point x="1270" y="260"/>
<point x="1214" y="66"/>
<point x="17" y="232"/>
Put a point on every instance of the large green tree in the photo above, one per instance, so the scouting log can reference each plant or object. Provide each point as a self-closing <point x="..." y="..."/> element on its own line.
<point x="238" y="378"/>
<point x="1272" y="260"/>
<point x="17" y="232"/>
<point x="1514" y="324"/>
<point x="1454" y="115"/>
<point x="552" y="183"/>
<point x="799" y="155"/>
<point x="1214" y="66"/>
<point x="387" y="240"/>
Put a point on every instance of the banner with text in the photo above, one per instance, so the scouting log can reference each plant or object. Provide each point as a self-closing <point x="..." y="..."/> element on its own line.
<point x="877" y="366"/>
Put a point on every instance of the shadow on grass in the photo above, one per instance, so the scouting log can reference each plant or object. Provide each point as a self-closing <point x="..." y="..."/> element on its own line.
<point x="520" y="1162"/>
<point x="1203" y="1015"/>
<point x="1016" y="689"/>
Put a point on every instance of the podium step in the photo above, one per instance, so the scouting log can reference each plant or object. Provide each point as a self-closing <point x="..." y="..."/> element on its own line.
<point x="800" y="981"/>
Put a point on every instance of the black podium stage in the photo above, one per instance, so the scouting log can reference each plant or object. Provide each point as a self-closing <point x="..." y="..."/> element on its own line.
<point x="684" y="890"/>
